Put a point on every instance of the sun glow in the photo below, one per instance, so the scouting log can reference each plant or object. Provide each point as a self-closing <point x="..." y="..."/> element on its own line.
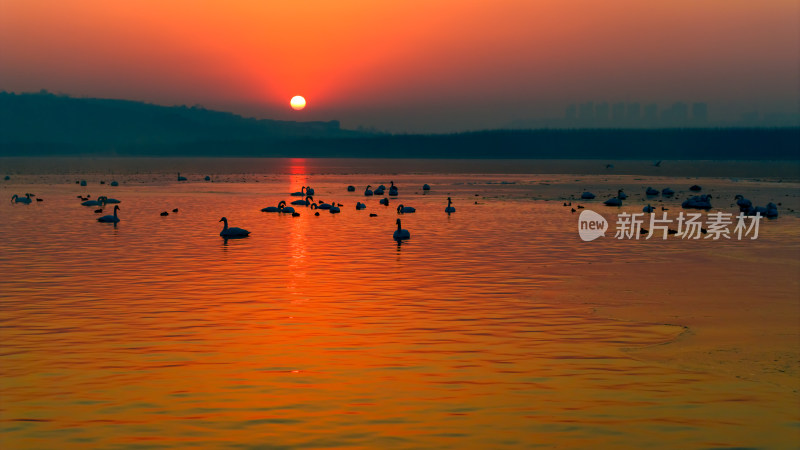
<point x="297" y="102"/>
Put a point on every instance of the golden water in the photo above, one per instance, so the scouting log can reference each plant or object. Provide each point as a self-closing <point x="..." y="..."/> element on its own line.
<point x="321" y="331"/>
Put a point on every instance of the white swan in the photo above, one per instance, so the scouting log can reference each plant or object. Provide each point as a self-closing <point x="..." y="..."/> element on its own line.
<point x="110" y="219"/>
<point x="180" y="178"/>
<point x="368" y="191"/>
<point x="302" y="193"/>
<point x="17" y="199"/>
<point x="405" y="209"/>
<point x="400" y="234"/>
<point x="450" y="208"/>
<point x="232" y="232"/>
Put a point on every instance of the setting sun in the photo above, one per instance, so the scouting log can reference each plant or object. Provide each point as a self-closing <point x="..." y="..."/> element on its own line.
<point x="297" y="102"/>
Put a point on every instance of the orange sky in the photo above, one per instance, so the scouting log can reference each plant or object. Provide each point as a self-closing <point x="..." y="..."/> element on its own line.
<point x="435" y="65"/>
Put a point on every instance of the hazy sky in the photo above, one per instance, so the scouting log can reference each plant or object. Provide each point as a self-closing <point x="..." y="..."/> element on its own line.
<point x="429" y="65"/>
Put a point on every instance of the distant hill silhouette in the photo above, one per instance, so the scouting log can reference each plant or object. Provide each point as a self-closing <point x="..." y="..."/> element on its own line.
<point x="44" y="124"/>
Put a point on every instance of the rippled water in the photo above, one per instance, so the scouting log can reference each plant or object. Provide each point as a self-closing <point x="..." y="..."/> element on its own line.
<point x="321" y="331"/>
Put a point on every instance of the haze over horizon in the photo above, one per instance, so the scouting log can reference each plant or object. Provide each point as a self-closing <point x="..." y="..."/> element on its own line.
<point x="413" y="67"/>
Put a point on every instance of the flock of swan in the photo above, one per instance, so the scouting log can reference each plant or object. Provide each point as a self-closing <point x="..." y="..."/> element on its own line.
<point x="701" y="201"/>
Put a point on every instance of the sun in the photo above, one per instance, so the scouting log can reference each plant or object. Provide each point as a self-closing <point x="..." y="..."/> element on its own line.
<point x="297" y="102"/>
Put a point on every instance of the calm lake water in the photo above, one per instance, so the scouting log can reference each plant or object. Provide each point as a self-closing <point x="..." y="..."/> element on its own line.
<point x="321" y="331"/>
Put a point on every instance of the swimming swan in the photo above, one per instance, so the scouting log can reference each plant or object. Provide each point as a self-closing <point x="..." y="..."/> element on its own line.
<point x="302" y="193"/>
<point x="110" y="219"/>
<point x="450" y="208"/>
<point x="368" y="191"/>
<point x="17" y="199"/>
<point x="233" y="232"/>
<point x="405" y="209"/>
<point x="400" y="234"/>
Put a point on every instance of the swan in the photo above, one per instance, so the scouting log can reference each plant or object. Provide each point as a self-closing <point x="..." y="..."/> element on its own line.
<point x="667" y="192"/>
<point x="384" y="201"/>
<point x="351" y="188"/>
<point x="405" y="209"/>
<point x="392" y="189"/>
<point x="272" y="208"/>
<point x="742" y="202"/>
<point x="305" y="202"/>
<point x="587" y="195"/>
<point x="17" y="199"/>
<point x="302" y="193"/>
<point x="110" y="219"/>
<point x="334" y="209"/>
<point x="164" y="213"/>
<point x="360" y="205"/>
<point x="323" y="205"/>
<point x="109" y="200"/>
<point x="695" y="188"/>
<point x="380" y="190"/>
<point x="613" y="201"/>
<point x="382" y="187"/>
<point x="772" y="210"/>
<point x="368" y="191"/>
<point x="450" y="208"/>
<point x="83" y="182"/>
<point x="401" y="234"/>
<point x="283" y="208"/>
<point x="697" y="202"/>
<point x="233" y="232"/>
<point x="180" y="178"/>
<point x="621" y="195"/>
<point x="651" y="191"/>
<point x="114" y="183"/>
<point x="98" y="202"/>
<point x="309" y="190"/>
<point x="426" y="187"/>
<point x="648" y="209"/>
<point x="207" y="178"/>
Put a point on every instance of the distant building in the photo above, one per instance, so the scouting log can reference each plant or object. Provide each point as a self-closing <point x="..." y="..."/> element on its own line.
<point x="651" y="114"/>
<point x="618" y="113"/>
<point x="601" y="112"/>
<point x="699" y="113"/>
<point x="586" y="112"/>
<point x="571" y="113"/>
<point x="633" y="112"/>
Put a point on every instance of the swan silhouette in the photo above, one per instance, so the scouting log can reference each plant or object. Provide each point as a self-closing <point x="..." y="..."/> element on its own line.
<point x="695" y="188"/>
<point x="697" y="202"/>
<point x="17" y="199"/>
<point x="742" y="202"/>
<point x="648" y="209"/>
<point x="180" y="178"/>
<point x="334" y="209"/>
<point x="283" y="208"/>
<point x="393" y="189"/>
<point x="110" y="219"/>
<point x="405" y="209"/>
<point x="384" y="201"/>
<point x="621" y="195"/>
<point x="323" y="205"/>
<point x="360" y="205"/>
<point x="426" y="187"/>
<point x="667" y="192"/>
<point x="98" y="202"/>
<point x="109" y="200"/>
<point x="115" y="183"/>
<point x="587" y="195"/>
<point x="302" y="193"/>
<point x="400" y="234"/>
<point x="232" y="232"/>
<point x="450" y="208"/>
<point x="273" y="208"/>
<point x="309" y="190"/>
<point x="613" y="201"/>
<point x="305" y="202"/>
<point x="380" y="190"/>
<point x="368" y="191"/>
<point x="351" y="188"/>
<point x="650" y="191"/>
